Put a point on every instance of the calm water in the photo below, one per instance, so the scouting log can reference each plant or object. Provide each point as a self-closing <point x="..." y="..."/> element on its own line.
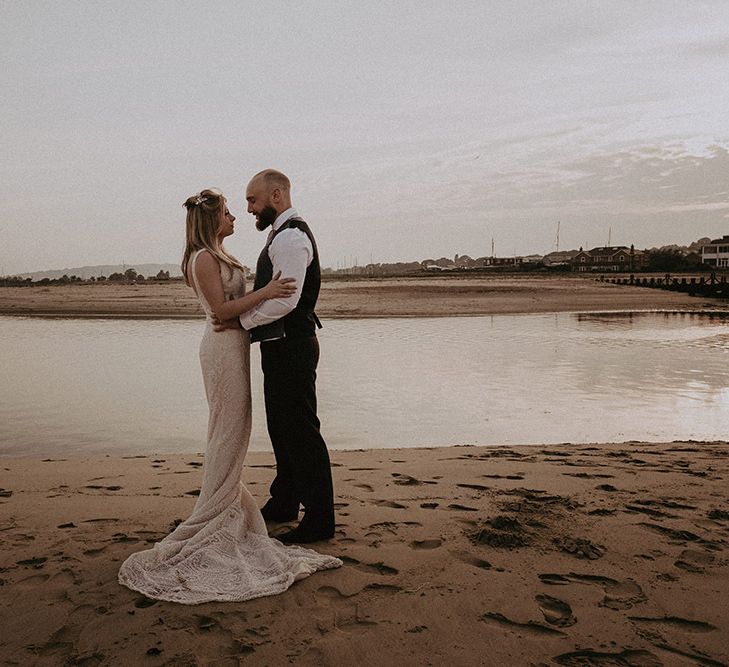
<point x="132" y="387"/>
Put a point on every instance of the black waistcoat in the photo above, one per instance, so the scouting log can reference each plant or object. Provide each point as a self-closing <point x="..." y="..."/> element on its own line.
<point x="302" y="321"/>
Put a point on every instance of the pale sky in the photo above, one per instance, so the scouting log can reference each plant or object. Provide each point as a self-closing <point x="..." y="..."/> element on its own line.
<point x="409" y="129"/>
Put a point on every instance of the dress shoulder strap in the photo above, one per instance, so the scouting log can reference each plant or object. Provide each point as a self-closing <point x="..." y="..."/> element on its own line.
<point x="192" y="269"/>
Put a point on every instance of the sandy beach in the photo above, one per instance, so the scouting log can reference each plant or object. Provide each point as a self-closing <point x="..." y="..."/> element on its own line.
<point x="561" y="555"/>
<point x="393" y="297"/>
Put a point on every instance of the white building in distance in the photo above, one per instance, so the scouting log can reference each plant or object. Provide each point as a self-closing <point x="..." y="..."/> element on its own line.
<point x="716" y="253"/>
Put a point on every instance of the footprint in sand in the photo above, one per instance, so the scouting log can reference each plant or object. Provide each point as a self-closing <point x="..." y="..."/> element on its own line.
<point x="618" y="594"/>
<point x="379" y="568"/>
<point x="670" y="504"/>
<point x="628" y="657"/>
<point x="692" y="560"/>
<point x="144" y="602"/>
<point x="205" y="623"/>
<point x="475" y="487"/>
<point x="426" y="544"/>
<point x="580" y="547"/>
<point x="675" y="623"/>
<point x="462" y="508"/>
<point x="391" y="526"/>
<point x="681" y="536"/>
<point x="555" y="611"/>
<point x="366" y="487"/>
<point x="332" y="593"/>
<point x="641" y="509"/>
<point x="588" y="475"/>
<point x="31" y="583"/>
<point x="36" y="562"/>
<point x="407" y="480"/>
<point x="337" y="593"/>
<point x="7" y="524"/>
<point x="123" y="537"/>
<point x="384" y="588"/>
<point x="470" y="559"/>
<point x="389" y="503"/>
<point x="530" y="628"/>
<point x="518" y="475"/>
<point x="602" y="511"/>
<point x="94" y="552"/>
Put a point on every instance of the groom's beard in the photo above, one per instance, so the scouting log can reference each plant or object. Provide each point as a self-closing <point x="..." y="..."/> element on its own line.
<point x="266" y="218"/>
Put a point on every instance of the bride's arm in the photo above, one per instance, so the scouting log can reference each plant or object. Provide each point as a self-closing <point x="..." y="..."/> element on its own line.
<point x="207" y="273"/>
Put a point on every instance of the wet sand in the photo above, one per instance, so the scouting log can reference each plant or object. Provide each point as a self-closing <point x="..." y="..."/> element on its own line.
<point x="560" y="555"/>
<point x="398" y="297"/>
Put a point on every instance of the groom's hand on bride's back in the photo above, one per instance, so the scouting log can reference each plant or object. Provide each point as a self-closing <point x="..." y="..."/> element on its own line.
<point x="222" y="325"/>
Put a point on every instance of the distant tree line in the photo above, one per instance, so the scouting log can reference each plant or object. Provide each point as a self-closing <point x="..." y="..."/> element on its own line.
<point x="130" y="276"/>
<point x="673" y="260"/>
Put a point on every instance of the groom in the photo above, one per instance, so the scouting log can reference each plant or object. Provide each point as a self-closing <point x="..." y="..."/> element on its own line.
<point x="286" y="330"/>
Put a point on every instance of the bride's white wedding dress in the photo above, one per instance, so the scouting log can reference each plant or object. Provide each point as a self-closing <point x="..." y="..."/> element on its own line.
<point x="222" y="551"/>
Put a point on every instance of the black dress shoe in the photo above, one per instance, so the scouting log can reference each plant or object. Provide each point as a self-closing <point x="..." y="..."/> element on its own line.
<point x="277" y="515"/>
<point x="305" y="535"/>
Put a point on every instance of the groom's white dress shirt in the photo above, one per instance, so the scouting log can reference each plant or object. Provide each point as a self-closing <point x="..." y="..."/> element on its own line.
<point x="291" y="253"/>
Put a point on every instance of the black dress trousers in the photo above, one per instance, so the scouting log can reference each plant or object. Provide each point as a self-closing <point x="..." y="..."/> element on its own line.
<point x="303" y="470"/>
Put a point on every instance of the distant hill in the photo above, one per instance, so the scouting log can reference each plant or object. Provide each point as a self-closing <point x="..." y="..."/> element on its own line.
<point x="86" y="272"/>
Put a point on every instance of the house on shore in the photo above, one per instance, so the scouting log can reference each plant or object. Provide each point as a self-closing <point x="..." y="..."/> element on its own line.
<point x="609" y="258"/>
<point x="559" y="258"/>
<point x="716" y="253"/>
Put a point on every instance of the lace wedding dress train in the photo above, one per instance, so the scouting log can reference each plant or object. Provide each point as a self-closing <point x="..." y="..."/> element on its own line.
<point x="222" y="552"/>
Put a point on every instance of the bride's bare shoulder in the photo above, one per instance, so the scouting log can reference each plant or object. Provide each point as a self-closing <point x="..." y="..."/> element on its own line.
<point x="203" y="264"/>
<point x="205" y="260"/>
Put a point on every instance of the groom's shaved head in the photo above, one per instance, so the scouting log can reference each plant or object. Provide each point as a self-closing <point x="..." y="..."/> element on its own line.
<point x="272" y="179"/>
<point x="268" y="194"/>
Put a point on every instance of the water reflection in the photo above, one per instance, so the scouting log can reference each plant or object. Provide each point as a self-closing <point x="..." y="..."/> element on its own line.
<point x="113" y="386"/>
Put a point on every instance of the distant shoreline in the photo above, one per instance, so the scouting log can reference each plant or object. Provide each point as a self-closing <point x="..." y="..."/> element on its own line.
<point x="436" y="296"/>
<point x="192" y="318"/>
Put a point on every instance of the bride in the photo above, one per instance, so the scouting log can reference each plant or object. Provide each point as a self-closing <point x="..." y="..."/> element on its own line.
<point x="222" y="551"/>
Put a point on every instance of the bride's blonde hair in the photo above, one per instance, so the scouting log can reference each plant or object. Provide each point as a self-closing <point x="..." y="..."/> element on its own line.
<point x="205" y="211"/>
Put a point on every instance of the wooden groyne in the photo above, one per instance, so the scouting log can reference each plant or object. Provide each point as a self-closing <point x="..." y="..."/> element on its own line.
<point x="713" y="285"/>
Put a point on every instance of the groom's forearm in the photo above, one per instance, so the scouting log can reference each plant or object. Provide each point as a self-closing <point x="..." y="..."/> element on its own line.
<point x="292" y="264"/>
<point x="269" y="311"/>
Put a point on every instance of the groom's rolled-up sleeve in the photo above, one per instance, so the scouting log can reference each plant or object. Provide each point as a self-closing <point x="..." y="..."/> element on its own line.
<point x="291" y="253"/>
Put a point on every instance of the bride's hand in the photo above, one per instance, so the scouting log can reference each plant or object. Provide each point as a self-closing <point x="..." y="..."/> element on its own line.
<point x="280" y="288"/>
<point x="224" y="325"/>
